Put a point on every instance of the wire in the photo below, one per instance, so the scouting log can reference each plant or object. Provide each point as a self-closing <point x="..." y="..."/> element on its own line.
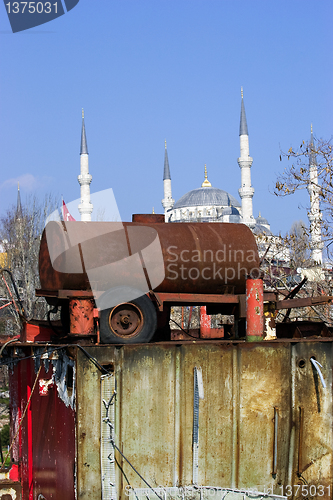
<point x="182" y="329"/>
<point x="152" y="489"/>
<point x="8" y="362"/>
<point x="129" y="484"/>
<point x="91" y="358"/>
<point x="6" y="343"/>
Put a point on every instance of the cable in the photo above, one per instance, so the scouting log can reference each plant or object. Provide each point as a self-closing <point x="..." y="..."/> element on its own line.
<point x="6" y="343"/>
<point x="182" y="329"/>
<point x="122" y="471"/>
<point x="36" y="356"/>
<point x="91" y="358"/>
<point x="142" y="479"/>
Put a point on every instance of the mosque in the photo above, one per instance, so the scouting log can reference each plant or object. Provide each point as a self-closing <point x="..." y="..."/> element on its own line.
<point x="211" y="204"/>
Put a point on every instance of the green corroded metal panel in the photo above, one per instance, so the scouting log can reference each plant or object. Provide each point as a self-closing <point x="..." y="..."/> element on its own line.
<point x="262" y="379"/>
<point x="312" y="414"/>
<point x="145" y="402"/>
<point x="215" y="411"/>
<point x="265" y="420"/>
<point x="88" y="433"/>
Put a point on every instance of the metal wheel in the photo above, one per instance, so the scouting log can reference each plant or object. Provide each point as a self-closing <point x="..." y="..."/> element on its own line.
<point x="126" y="320"/>
<point x="131" y="322"/>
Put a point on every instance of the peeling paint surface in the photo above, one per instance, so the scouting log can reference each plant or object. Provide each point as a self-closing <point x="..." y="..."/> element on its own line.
<point x="45" y="446"/>
<point x="64" y="369"/>
<point x="241" y="441"/>
<point x="244" y="385"/>
<point x="254" y="309"/>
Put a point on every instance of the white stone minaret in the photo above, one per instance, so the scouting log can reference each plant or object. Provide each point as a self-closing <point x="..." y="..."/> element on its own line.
<point x="167" y="201"/>
<point x="85" y="207"/>
<point x="314" y="215"/>
<point x="246" y="191"/>
<point x="18" y="204"/>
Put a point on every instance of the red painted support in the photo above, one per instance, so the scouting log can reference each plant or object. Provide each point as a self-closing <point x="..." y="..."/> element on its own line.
<point x="204" y="322"/>
<point x="206" y="330"/>
<point x="36" y="331"/>
<point x="254" y="309"/>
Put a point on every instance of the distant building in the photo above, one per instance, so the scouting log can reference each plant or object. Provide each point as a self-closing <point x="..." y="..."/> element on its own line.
<point x="85" y="206"/>
<point x="211" y="204"/>
<point x="315" y="215"/>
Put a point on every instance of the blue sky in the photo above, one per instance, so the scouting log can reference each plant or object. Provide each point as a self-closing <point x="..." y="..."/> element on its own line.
<point x="149" y="70"/>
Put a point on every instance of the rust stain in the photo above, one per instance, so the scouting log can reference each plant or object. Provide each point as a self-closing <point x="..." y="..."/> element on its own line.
<point x="231" y="254"/>
<point x="244" y="385"/>
<point x="81" y="316"/>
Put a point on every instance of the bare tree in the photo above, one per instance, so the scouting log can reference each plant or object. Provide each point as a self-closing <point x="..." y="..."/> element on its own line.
<point x="299" y="245"/>
<point x="310" y="167"/>
<point x="297" y="176"/>
<point x="20" y="232"/>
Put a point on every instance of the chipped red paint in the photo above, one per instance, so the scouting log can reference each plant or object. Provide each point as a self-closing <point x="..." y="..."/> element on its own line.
<point x="206" y="331"/>
<point x="34" y="331"/>
<point x="254" y="309"/>
<point x="44" y="386"/>
<point x="81" y="312"/>
<point x="45" y="449"/>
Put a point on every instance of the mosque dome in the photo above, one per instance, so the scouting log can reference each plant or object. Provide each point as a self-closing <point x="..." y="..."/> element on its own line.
<point x="207" y="196"/>
<point x="261" y="229"/>
<point x="262" y="221"/>
<point x="231" y="214"/>
<point x="230" y="210"/>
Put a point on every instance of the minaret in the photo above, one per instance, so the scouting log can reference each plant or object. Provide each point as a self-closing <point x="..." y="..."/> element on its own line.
<point x="167" y="201"/>
<point x="246" y="191"/>
<point x="18" y="204"/>
<point x="19" y="215"/>
<point x="314" y="215"/>
<point x="85" y="207"/>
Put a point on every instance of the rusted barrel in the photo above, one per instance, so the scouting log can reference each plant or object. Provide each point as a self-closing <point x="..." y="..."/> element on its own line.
<point x="148" y="218"/>
<point x="175" y="258"/>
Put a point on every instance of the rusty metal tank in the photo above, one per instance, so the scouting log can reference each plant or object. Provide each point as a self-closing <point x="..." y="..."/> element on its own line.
<point x="176" y="258"/>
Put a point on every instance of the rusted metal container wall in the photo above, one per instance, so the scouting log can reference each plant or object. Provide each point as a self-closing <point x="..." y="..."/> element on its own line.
<point x="265" y="420"/>
<point x="45" y="446"/>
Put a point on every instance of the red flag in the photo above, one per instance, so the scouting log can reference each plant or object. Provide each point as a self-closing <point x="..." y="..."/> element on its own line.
<point x="65" y="213"/>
